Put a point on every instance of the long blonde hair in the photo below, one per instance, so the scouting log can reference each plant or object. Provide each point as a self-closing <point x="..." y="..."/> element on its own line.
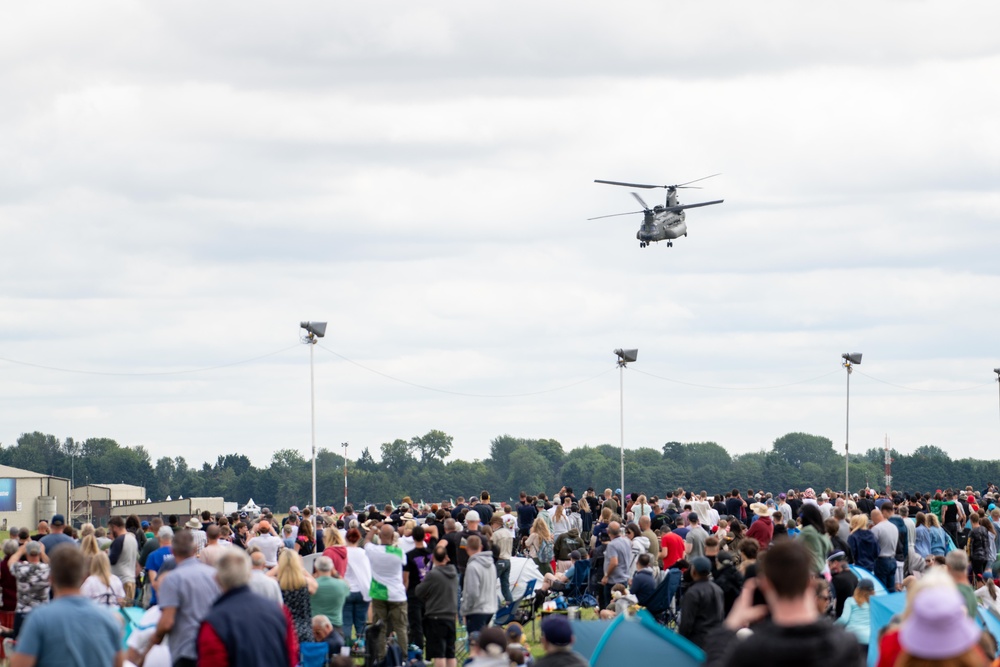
<point x="100" y="566"/>
<point x="291" y="575"/>
<point x="558" y="515"/>
<point x="89" y="546"/>
<point x="541" y="529"/>
<point x="332" y="537"/>
<point x="859" y="522"/>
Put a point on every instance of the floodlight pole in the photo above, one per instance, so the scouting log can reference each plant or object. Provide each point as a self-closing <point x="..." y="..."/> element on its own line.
<point x="624" y="357"/>
<point x="345" y="473"/>
<point x="849" y="360"/>
<point x="997" y="371"/>
<point x="314" y="331"/>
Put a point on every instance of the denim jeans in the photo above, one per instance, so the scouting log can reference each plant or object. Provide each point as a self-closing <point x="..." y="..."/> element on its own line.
<point x="885" y="571"/>
<point x="355" y="615"/>
<point x="503" y="571"/>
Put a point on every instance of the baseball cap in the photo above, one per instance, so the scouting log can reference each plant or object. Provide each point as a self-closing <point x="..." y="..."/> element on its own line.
<point x="557" y="630"/>
<point x="836" y="555"/>
<point x="701" y="565"/>
<point x="866" y="585"/>
<point x="58" y="520"/>
<point x="472" y="515"/>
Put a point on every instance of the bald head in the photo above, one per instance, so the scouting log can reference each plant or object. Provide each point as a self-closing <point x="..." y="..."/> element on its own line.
<point x="614" y="529"/>
<point x="644" y="522"/>
<point x="876" y="516"/>
<point x="257" y="560"/>
<point x="386" y="534"/>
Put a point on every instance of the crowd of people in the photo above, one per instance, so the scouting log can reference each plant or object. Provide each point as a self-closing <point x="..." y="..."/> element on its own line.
<point x="765" y="578"/>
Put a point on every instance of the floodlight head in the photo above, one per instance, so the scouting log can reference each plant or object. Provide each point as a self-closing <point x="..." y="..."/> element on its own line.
<point x="626" y="356"/>
<point x="997" y="371"/>
<point x="317" y="329"/>
<point x="852" y="357"/>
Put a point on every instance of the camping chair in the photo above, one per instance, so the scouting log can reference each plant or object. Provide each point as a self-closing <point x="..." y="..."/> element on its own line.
<point x="521" y="610"/>
<point x="131" y="617"/>
<point x="663" y="604"/>
<point x="578" y="592"/>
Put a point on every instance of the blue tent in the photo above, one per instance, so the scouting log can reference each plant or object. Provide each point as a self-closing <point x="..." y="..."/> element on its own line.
<point x="862" y="573"/>
<point x="989" y="621"/>
<point x="637" y="640"/>
<point x="881" y="610"/>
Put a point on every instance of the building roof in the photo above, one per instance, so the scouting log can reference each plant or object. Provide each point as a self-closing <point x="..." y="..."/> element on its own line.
<point x="8" y="471"/>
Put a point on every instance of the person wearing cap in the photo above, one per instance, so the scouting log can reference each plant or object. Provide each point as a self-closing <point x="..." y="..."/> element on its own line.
<point x="479" y="597"/>
<point x="856" y="617"/>
<point x="515" y="645"/>
<point x="557" y="640"/>
<point x="702" y="606"/>
<point x="843" y="580"/>
<point x="71" y="626"/>
<point x="795" y="634"/>
<point x="32" y="575"/>
<point x="56" y="537"/>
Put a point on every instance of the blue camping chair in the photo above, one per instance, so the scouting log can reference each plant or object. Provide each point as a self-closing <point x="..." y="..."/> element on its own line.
<point x="639" y="640"/>
<point x="521" y="610"/>
<point x="313" y="654"/>
<point x="578" y="591"/>
<point x="663" y="604"/>
<point x="131" y="616"/>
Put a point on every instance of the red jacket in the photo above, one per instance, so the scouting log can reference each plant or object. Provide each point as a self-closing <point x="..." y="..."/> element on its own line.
<point x="762" y="530"/>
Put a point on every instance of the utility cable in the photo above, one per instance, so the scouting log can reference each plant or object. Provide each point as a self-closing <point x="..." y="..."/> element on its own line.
<point x="105" y="373"/>
<point x="709" y="386"/>
<point x="462" y="393"/>
<point x="928" y="391"/>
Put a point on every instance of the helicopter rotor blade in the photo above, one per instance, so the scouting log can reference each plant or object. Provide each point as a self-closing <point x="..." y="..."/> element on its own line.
<point x="688" y="184"/>
<point x="647" y="186"/>
<point x="644" y="205"/>
<point x="681" y="207"/>
<point x="615" y="215"/>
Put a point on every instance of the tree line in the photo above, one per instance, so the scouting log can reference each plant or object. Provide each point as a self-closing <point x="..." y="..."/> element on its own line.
<point x="420" y="468"/>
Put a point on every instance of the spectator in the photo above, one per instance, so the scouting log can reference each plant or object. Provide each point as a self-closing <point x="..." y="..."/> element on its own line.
<point x="936" y="632"/>
<point x="8" y="583"/>
<point x="387" y="592"/>
<point x="958" y="568"/>
<point x="540" y="545"/>
<point x="83" y="628"/>
<point x="297" y="587"/>
<point x="557" y="640"/>
<point x="702" y="605"/>
<point x="856" y="617"/>
<point x="479" y="599"/>
<point x="124" y="555"/>
<point x="439" y="593"/>
<point x="325" y="632"/>
<point x="762" y="529"/>
<point x="863" y="543"/>
<point x="694" y="541"/>
<point x="813" y="535"/>
<point x="843" y="580"/>
<point x="330" y="594"/>
<point x="503" y="541"/>
<point x="185" y="598"/>
<point x="643" y="583"/>
<point x="616" y="561"/>
<point x="32" y="577"/>
<point x="489" y="649"/>
<point x="359" y="579"/>
<point x="242" y="629"/>
<point x="156" y="559"/>
<point x="728" y="577"/>
<point x="56" y="536"/>
<point x="260" y="583"/>
<point x="795" y="633"/>
<point x="101" y="586"/>
<point x="267" y="541"/>
<point x="139" y="640"/>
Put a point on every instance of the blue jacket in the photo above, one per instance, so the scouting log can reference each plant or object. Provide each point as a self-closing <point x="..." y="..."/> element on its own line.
<point x="864" y="548"/>
<point x="250" y="629"/>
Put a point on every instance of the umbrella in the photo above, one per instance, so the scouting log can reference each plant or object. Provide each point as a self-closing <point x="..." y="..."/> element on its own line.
<point x="881" y="609"/>
<point x="862" y="573"/>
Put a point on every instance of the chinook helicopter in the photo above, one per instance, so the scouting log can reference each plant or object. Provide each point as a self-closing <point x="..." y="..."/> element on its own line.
<point x="660" y="223"/>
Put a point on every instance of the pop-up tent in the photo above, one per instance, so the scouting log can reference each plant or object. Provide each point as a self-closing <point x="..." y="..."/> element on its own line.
<point x="862" y="573"/>
<point x="638" y="640"/>
<point x="881" y="610"/>
<point x="251" y="508"/>
<point x="522" y="570"/>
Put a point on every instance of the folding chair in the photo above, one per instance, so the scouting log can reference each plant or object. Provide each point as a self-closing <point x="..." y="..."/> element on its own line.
<point x="663" y="604"/>
<point x="521" y="610"/>
<point x="578" y="592"/>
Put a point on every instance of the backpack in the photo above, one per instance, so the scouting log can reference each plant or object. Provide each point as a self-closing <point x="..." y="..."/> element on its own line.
<point x="544" y="552"/>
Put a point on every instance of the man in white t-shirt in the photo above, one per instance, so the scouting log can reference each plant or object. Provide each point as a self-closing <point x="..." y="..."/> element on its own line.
<point x="268" y="542"/>
<point x="387" y="590"/>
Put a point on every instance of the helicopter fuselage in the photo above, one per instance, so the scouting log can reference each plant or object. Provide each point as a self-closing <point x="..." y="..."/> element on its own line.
<point x="661" y="226"/>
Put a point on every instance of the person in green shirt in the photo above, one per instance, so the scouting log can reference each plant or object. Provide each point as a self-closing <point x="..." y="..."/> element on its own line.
<point x="957" y="562"/>
<point x="331" y="592"/>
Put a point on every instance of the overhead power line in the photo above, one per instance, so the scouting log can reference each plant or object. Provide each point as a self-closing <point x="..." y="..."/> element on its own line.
<point x="462" y="393"/>
<point x="145" y="374"/>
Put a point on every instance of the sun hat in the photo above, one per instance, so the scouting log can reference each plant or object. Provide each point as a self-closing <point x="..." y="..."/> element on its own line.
<point x="193" y="523"/>
<point x="938" y="626"/>
<point x="760" y="509"/>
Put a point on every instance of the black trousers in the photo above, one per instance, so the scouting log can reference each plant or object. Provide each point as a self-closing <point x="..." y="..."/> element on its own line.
<point x="415" y="616"/>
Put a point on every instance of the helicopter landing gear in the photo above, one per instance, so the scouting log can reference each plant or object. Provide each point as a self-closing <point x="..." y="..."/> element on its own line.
<point x="642" y="244"/>
<point x="670" y="244"/>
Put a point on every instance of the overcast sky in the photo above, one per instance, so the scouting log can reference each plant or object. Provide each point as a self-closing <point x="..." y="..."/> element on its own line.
<point x="182" y="183"/>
